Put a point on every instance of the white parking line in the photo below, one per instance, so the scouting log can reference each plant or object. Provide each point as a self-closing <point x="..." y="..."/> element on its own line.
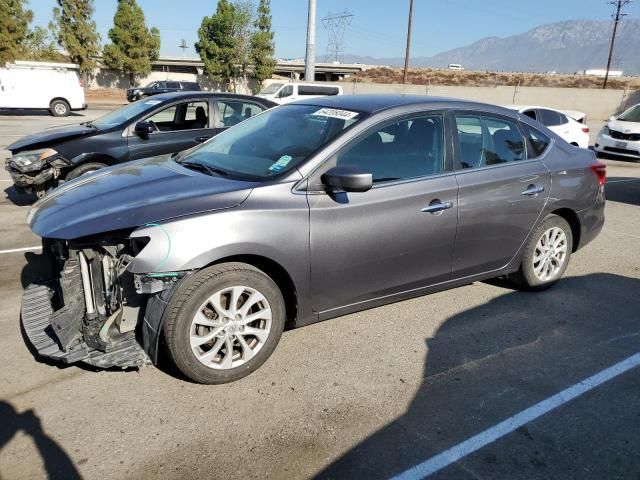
<point x="624" y="180"/>
<point x="507" y="426"/>
<point x="25" y="249"/>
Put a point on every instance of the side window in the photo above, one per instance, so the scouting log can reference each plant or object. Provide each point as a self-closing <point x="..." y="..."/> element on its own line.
<point x="232" y="112"/>
<point x="537" y="142"/>
<point x="530" y="114"/>
<point x="286" y="91"/>
<point x="406" y="149"/>
<point x="487" y="141"/>
<point x="550" y="118"/>
<point x="563" y="118"/>
<point x="161" y="85"/>
<point x="173" y="85"/>
<point x="196" y="115"/>
<point x="164" y="119"/>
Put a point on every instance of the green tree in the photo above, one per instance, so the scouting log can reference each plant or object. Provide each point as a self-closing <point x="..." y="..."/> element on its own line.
<point x="14" y="29"/>
<point x="262" y="46"/>
<point x="133" y="46"/>
<point x="217" y="44"/>
<point x="77" y="32"/>
<point x="41" y="46"/>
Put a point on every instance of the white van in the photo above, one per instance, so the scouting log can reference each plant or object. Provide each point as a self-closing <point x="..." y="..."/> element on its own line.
<point x="281" y="92"/>
<point x="38" y="85"/>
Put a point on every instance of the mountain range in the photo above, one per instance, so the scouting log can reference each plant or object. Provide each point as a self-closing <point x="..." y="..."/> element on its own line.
<point x="565" y="47"/>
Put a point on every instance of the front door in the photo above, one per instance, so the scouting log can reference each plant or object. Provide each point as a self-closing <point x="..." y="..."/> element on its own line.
<point x="178" y="127"/>
<point x="397" y="236"/>
<point x="502" y="192"/>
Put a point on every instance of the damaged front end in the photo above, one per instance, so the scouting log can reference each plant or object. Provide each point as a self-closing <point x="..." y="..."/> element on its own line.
<point x="92" y="308"/>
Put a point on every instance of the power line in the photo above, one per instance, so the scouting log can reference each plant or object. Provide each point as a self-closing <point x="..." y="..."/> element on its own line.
<point x="618" y="5"/>
<point x="336" y="24"/>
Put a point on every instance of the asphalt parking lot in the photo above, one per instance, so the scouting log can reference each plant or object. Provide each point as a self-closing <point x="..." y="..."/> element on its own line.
<point x="369" y="395"/>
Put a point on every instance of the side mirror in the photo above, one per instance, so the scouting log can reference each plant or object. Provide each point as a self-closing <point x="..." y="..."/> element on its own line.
<point x="143" y="129"/>
<point x="348" y="179"/>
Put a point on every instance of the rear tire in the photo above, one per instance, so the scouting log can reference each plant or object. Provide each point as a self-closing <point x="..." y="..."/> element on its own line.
<point x="59" y="108"/>
<point x="546" y="255"/>
<point x="84" y="169"/>
<point x="223" y="322"/>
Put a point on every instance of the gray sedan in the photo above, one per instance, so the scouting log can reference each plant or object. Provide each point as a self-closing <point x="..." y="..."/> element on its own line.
<point x="303" y="213"/>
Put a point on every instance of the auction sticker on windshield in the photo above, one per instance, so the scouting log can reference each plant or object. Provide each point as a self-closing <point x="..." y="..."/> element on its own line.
<point x="335" y="113"/>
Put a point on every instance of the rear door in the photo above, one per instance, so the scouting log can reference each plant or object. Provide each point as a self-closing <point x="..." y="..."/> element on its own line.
<point x="231" y="111"/>
<point x="180" y="126"/>
<point x="502" y="192"/>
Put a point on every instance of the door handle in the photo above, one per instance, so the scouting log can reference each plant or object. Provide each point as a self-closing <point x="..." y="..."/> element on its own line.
<point x="436" y="206"/>
<point x="202" y="139"/>
<point x="533" y="190"/>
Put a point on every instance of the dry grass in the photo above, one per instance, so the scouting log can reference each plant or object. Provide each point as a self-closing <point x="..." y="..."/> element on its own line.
<point x="111" y="95"/>
<point x="431" y="76"/>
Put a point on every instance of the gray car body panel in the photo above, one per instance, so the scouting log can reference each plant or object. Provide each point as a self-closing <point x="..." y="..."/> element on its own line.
<point x="344" y="252"/>
<point x="131" y="195"/>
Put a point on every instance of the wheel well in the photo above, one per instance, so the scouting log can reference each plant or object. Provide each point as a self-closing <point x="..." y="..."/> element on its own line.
<point x="278" y="274"/>
<point x="575" y="144"/>
<point x="573" y="221"/>
<point x="59" y="98"/>
<point x="107" y="160"/>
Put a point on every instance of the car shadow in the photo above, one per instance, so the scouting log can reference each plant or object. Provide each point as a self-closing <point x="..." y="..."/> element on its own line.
<point x="497" y="359"/>
<point x="57" y="463"/>
<point x="19" y="199"/>
<point x="623" y="190"/>
<point x="34" y="113"/>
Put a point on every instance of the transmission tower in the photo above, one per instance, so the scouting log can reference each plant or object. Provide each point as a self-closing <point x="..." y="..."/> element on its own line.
<point x="183" y="45"/>
<point x="336" y="24"/>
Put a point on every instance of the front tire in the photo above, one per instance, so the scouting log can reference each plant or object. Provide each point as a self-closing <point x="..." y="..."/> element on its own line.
<point x="546" y="255"/>
<point x="59" y="108"/>
<point x="84" y="169"/>
<point x="223" y="322"/>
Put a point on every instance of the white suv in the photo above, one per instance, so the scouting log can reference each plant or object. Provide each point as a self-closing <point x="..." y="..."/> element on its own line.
<point x="568" y="128"/>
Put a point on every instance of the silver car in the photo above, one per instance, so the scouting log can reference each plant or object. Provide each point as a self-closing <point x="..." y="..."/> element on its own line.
<point x="302" y="213"/>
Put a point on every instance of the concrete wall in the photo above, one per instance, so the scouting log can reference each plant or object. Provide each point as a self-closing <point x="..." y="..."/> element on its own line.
<point x="597" y="104"/>
<point x="105" y="78"/>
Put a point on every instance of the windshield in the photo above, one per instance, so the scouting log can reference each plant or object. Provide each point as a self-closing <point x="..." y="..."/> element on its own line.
<point x="151" y="85"/>
<point x="272" y="142"/>
<point x="273" y="88"/>
<point x="124" y="114"/>
<point x="631" y="115"/>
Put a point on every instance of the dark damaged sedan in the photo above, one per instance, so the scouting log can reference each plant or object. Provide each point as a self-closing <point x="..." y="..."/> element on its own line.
<point x="303" y="213"/>
<point x="166" y="123"/>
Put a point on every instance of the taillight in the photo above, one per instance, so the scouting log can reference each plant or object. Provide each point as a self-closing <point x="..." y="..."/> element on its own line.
<point x="600" y="171"/>
<point x="585" y="129"/>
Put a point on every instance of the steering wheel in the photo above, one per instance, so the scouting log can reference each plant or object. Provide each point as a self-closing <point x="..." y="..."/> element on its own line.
<point x="153" y="124"/>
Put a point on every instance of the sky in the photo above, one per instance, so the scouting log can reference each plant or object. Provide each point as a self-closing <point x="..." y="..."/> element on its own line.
<point x="377" y="29"/>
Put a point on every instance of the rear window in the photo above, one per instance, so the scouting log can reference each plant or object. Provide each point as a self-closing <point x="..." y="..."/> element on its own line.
<point x="317" y="90"/>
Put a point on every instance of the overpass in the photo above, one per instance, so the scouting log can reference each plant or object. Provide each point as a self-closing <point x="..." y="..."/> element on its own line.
<point x="292" y="69"/>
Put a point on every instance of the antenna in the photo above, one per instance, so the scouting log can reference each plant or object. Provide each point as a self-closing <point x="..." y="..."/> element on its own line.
<point x="336" y="24"/>
<point x="183" y="45"/>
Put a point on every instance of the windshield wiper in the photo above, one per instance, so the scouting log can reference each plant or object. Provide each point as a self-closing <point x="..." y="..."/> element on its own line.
<point x="204" y="168"/>
<point x="89" y="124"/>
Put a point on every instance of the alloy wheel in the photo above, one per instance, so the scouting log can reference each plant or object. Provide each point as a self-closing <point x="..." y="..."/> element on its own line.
<point x="230" y="327"/>
<point x="550" y="254"/>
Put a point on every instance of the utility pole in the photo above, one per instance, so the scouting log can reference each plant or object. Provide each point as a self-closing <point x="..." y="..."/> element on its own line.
<point x="310" y="58"/>
<point x="618" y="5"/>
<point x="406" y="54"/>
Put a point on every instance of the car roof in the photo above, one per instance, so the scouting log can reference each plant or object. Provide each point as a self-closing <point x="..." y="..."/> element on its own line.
<point x="200" y="94"/>
<point x="372" y="103"/>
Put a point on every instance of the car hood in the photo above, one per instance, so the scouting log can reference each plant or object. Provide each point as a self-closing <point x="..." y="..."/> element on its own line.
<point x="624" y="127"/>
<point x="131" y="195"/>
<point x="49" y="136"/>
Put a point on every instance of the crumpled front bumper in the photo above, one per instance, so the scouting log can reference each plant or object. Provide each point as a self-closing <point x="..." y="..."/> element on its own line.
<point x="607" y="144"/>
<point x="29" y="180"/>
